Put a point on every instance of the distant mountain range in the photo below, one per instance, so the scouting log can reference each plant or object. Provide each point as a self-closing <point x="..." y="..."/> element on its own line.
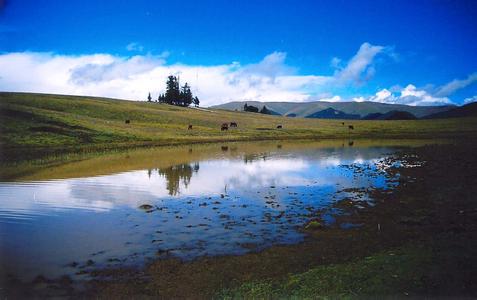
<point x="467" y="110"/>
<point x="344" y="110"/>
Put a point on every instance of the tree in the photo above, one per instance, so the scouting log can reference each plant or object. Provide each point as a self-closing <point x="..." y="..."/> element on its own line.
<point x="160" y="98"/>
<point x="172" y="95"/>
<point x="250" y="108"/>
<point x="196" y="101"/>
<point x="149" y="98"/>
<point x="176" y="95"/>
<point x="185" y="95"/>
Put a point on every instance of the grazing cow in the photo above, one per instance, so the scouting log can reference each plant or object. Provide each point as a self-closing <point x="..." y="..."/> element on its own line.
<point x="225" y="126"/>
<point x="350" y="127"/>
<point x="189" y="128"/>
<point x="233" y="124"/>
<point x="351" y="143"/>
<point x="224" y="148"/>
<point x="279" y="127"/>
<point x="342" y="123"/>
<point x="127" y="121"/>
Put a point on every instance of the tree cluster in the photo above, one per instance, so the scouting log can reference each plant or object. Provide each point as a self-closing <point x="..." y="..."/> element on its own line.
<point x="250" y="108"/>
<point x="254" y="109"/>
<point x="176" y="95"/>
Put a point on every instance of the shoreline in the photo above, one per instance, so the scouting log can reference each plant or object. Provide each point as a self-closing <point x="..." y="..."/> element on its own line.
<point x="422" y="221"/>
<point x="15" y="154"/>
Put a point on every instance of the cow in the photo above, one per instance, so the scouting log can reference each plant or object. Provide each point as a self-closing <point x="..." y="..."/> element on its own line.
<point x="127" y="121"/>
<point x="233" y="124"/>
<point x="350" y="127"/>
<point x="342" y="123"/>
<point x="189" y="128"/>
<point x="279" y="127"/>
<point x="225" y="126"/>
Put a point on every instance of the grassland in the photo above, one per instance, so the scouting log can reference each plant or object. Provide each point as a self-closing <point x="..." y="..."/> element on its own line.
<point x="34" y="124"/>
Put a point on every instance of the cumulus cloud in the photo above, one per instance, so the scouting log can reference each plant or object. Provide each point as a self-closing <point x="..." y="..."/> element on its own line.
<point x="270" y="79"/>
<point x="427" y="95"/>
<point x="410" y="95"/>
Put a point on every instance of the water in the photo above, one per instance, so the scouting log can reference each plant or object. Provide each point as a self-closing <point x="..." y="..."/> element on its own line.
<point x="128" y="208"/>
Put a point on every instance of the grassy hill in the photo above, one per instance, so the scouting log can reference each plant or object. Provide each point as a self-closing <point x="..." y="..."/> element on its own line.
<point x="303" y="109"/>
<point x="33" y="124"/>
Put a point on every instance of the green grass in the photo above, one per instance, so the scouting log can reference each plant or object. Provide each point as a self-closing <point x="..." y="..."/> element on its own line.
<point x="40" y="121"/>
<point x="392" y="273"/>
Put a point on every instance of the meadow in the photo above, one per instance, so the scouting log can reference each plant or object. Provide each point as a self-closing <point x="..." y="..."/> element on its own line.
<point x="37" y="124"/>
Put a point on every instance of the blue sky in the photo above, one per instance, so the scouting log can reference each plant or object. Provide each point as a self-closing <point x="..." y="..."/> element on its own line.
<point x="413" y="52"/>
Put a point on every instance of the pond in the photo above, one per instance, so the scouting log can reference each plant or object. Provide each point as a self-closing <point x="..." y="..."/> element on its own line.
<point x="126" y="208"/>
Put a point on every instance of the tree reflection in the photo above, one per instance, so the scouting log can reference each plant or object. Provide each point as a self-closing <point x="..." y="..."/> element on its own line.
<point x="176" y="174"/>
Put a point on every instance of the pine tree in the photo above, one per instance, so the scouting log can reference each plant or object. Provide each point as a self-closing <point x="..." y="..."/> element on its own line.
<point x="149" y="98"/>
<point x="172" y="95"/>
<point x="177" y="96"/>
<point x="186" y="95"/>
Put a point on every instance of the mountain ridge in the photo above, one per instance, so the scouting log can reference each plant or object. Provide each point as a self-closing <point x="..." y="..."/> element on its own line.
<point x="304" y="109"/>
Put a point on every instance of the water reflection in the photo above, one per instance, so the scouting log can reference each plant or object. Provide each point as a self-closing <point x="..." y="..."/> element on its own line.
<point x="174" y="175"/>
<point x="219" y="202"/>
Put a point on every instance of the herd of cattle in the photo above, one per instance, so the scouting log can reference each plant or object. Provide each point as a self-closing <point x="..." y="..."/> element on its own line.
<point x="226" y="126"/>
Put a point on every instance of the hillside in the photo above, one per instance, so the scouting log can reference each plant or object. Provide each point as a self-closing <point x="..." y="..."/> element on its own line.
<point x="304" y="109"/>
<point x="467" y="110"/>
<point x="37" y="124"/>
<point x="331" y="113"/>
<point x="392" y="115"/>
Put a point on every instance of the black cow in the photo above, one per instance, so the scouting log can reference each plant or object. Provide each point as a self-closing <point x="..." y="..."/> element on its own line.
<point x="225" y="126"/>
<point x="127" y="121"/>
<point x="350" y="127"/>
<point x="279" y="127"/>
<point x="189" y="128"/>
<point x="233" y="124"/>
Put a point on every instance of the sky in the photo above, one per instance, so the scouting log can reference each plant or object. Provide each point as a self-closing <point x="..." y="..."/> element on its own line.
<point x="420" y="52"/>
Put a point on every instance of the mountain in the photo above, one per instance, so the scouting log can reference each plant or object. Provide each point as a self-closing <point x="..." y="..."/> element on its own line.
<point x="304" y="109"/>
<point x="331" y="113"/>
<point x="373" y="116"/>
<point x="392" y="115"/>
<point x="467" y="110"/>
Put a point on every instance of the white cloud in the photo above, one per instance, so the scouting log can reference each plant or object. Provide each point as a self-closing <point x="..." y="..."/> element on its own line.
<point x="271" y="79"/>
<point x="470" y="100"/>
<point x="331" y="99"/>
<point x="410" y="95"/>
<point x="134" y="47"/>
<point x="455" y="85"/>
<point x="360" y="67"/>
<point x="335" y="62"/>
